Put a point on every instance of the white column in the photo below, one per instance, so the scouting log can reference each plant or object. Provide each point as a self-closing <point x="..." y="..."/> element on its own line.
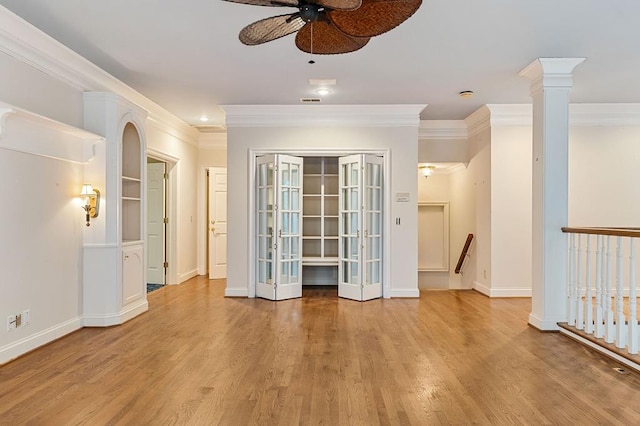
<point x="551" y="81"/>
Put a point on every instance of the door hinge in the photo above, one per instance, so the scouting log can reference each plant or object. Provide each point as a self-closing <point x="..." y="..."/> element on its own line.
<point x="165" y="265"/>
<point x="166" y="176"/>
<point x="165" y="220"/>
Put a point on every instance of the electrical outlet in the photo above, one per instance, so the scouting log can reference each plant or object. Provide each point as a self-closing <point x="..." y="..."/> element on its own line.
<point x="26" y="317"/>
<point x="18" y="320"/>
<point x="11" y="322"/>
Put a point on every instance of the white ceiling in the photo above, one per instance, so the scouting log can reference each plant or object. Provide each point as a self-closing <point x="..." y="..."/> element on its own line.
<point x="185" y="55"/>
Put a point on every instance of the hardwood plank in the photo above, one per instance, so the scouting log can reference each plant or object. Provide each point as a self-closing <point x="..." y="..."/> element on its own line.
<point x="450" y="357"/>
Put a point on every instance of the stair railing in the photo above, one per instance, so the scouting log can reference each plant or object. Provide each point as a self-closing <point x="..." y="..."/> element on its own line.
<point x="464" y="253"/>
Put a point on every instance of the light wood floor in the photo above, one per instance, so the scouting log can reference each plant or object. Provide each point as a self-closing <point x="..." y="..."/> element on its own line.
<point x="198" y="358"/>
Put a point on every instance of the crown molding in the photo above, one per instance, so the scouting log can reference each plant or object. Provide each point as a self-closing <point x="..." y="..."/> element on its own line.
<point x="511" y="114"/>
<point x="212" y="140"/>
<point x="442" y="129"/>
<point x="600" y="115"/>
<point x="322" y="115"/>
<point x="28" y="44"/>
<point x="478" y="121"/>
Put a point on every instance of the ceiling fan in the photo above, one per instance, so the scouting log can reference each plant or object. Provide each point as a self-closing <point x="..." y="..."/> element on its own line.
<point x="328" y="27"/>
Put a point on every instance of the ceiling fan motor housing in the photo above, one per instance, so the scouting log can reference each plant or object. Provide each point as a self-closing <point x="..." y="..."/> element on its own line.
<point x="309" y="12"/>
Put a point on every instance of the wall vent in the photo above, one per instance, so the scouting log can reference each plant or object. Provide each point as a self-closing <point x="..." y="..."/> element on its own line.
<point x="310" y="100"/>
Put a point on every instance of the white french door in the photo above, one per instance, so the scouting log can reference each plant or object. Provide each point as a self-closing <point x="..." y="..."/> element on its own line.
<point x="360" y="224"/>
<point x="279" y="227"/>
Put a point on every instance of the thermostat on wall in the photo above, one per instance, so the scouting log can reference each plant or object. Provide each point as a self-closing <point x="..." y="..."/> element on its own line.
<point x="402" y="197"/>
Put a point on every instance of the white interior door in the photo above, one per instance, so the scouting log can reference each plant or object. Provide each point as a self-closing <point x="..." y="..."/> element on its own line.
<point x="279" y="227"/>
<point x="217" y="223"/>
<point x="372" y="218"/>
<point x="155" y="223"/>
<point x="265" y="227"/>
<point x="289" y="227"/>
<point x="360" y="224"/>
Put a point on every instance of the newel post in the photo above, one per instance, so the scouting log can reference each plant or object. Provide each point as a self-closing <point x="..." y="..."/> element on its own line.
<point x="551" y="81"/>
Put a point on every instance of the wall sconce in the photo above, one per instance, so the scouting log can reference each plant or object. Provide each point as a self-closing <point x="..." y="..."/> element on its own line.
<point x="91" y="198"/>
<point x="427" y="170"/>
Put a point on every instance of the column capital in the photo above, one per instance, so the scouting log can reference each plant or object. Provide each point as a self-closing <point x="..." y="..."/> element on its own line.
<point x="553" y="73"/>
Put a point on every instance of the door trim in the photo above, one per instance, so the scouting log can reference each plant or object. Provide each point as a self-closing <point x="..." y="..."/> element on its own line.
<point x="251" y="193"/>
<point x="171" y="202"/>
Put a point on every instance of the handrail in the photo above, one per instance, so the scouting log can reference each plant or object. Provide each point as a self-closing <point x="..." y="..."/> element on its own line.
<point x="616" y="232"/>
<point x="463" y="254"/>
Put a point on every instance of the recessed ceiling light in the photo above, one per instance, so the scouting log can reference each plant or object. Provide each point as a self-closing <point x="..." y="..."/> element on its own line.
<point x="204" y="118"/>
<point x="323" y="91"/>
<point x="466" y="94"/>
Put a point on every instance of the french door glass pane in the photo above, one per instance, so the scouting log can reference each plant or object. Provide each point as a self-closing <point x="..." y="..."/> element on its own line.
<point x="284" y="227"/>
<point x="285" y="248"/>
<point x="269" y="174"/>
<point x="295" y="175"/>
<point x="285" y="199"/>
<point x="285" y="174"/>
<point x="295" y="197"/>
<point x="295" y="223"/>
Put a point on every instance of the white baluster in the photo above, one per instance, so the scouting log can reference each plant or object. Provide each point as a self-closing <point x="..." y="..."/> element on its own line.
<point x="579" y="303"/>
<point x="572" y="281"/>
<point x="633" y="314"/>
<point x="599" y="327"/>
<point x="589" y="296"/>
<point x="621" y="326"/>
<point x="609" y="329"/>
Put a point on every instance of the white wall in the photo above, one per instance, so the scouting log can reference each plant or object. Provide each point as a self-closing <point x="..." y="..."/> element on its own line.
<point x="402" y="145"/>
<point x="511" y="207"/>
<point x="604" y="173"/>
<point x="480" y="165"/>
<point x="41" y="222"/>
<point x="24" y="86"/>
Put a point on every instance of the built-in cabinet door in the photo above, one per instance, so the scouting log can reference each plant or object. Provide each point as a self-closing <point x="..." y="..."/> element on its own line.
<point x="360" y="224"/>
<point x="279" y="227"/>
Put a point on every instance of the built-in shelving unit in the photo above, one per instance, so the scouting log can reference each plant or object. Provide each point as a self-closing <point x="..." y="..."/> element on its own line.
<point x="320" y="221"/>
<point x="131" y="185"/>
<point x="114" y="275"/>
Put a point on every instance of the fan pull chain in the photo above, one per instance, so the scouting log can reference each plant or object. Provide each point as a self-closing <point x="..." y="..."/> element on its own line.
<point x="311" y="61"/>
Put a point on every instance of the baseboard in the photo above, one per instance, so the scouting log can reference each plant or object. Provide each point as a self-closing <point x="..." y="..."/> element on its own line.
<point x="236" y="292"/>
<point x="131" y="311"/>
<point x="410" y="293"/>
<point x="29" y="343"/>
<point x="187" y="275"/>
<point x="134" y="309"/>
<point x="544" y="325"/>
<point x="501" y="292"/>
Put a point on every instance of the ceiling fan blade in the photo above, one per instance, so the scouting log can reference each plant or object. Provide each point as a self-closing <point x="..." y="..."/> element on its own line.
<point x="274" y="3"/>
<point x="270" y="29"/>
<point x="327" y="39"/>
<point x="373" y="17"/>
<point x="339" y="4"/>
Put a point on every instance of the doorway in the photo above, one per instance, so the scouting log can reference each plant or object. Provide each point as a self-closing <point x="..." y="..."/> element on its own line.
<point x="156" y="223"/>
<point x="319" y="221"/>
<point x="217" y="222"/>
